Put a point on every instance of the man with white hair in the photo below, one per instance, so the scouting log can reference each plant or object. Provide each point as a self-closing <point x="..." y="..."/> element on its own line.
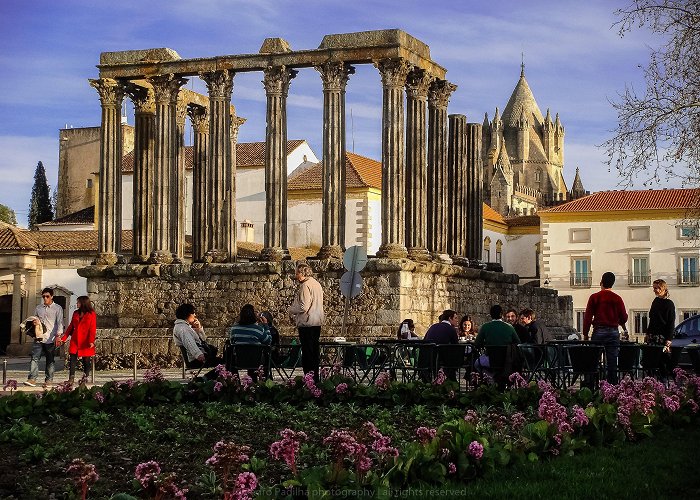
<point x="306" y="312"/>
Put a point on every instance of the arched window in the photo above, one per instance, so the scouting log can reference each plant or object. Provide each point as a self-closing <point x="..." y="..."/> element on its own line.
<point x="538" y="176"/>
<point x="499" y="248"/>
<point x="487" y="249"/>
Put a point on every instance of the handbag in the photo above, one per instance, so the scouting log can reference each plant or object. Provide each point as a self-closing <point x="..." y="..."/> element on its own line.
<point x="30" y="329"/>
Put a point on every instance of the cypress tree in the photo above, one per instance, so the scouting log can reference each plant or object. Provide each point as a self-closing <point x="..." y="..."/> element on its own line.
<point x="40" y="204"/>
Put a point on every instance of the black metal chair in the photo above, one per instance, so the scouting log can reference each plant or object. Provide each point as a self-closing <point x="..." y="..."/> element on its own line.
<point x="651" y="359"/>
<point x="190" y="365"/>
<point x="504" y="360"/>
<point x="628" y="360"/>
<point x="585" y="362"/>
<point x="453" y="358"/>
<point x="285" y="359"/>
<point x="247" y="357"/>
<point x="694" y="355"/>
<point x="364" y="362"/>
<point x="533" y="361"/>
<point x="419" y="364"/>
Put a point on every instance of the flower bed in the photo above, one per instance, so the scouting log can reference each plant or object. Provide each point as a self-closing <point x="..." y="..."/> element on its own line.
<point x="233" y="438"/>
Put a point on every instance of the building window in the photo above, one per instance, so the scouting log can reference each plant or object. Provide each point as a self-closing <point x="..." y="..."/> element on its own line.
<point x="579" y="313"/>
<point x="88" y="183"/>
<point x="499" y="252"/>
<point x="538" y="176"/>
<point x="580" y="235"/>
<point x="580" y="272"/>
<point x="638" y="233"/>
<point x="537" y="260"/>
<point x="487" y="249"/>
<point x="688" y="313"/>
<point x="687" y="232"/>
<point x="688" y="271"/>
<point x="640" y="275"/>
<point x="640" y="321"/>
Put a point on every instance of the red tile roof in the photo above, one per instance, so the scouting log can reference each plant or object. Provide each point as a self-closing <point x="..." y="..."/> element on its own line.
<point x="248" y="154"/>
<point x="360" y="172"/>
<point x="523" y="221"/>
<point x="490" y="214"/>
<point x="14" y="238"/>
<point x="651" y="199"/>
<point x="84" y="216"/>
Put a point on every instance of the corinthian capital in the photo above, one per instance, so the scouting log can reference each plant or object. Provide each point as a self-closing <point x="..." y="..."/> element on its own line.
<point x="219" y="83"/>
<point x="111" y="91"/>
<point x="277" y="79"/>
<point x="393" y="71"/>
<point x="199" y="116"/>
<point x="142" y="98"/>
<point x="335" y="75"/>
<point x="166" y="87"/>
<point x="439" y="94"/>
<point x="236" y="122"/>
<point x="418" y="82"/>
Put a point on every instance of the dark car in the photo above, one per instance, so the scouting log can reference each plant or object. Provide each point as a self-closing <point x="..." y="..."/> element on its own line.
<point x="687" y="333"/>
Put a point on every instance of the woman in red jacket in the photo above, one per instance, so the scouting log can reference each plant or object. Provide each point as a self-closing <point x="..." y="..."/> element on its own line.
<point x="82" y="336"/>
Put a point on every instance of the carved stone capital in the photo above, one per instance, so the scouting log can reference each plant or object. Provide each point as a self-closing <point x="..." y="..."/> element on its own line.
<point x="277" y="79"/>
<point x="236" y="122"/>
<point x="142" y="98"/>
<point x="200" y="118"/>
<point x="219" y="83"/>
<point x="439" y="94"/>
<point x="335" y="75"/>
<point x="111" y="91"/>
<point x="393" y="71"/>
<point x="166" y="88"/>
<point x="418" y="83"/>
<point x="181" y="112"/>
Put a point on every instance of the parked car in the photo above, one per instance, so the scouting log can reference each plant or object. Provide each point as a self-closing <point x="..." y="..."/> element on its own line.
<point x="687" y="333"/>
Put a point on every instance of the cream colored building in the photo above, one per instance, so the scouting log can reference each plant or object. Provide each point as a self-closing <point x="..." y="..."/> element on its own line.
<point x="641" y="236"/>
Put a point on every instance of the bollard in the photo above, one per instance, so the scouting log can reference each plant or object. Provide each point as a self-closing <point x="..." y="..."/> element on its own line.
<point x="94" y="360"/>
<point x="4" y="372"/>
<point x="184" y="373"/>
<point x="134" y="366"/>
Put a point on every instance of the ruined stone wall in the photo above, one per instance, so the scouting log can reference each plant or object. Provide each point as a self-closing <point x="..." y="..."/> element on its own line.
<point x="139" y="301"/>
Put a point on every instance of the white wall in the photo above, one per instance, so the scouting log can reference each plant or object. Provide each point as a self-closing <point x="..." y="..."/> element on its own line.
<point x="519" y="254"/>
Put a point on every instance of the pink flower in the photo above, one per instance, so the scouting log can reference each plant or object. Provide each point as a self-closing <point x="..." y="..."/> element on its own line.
<point x="246" y="482"/>
<point x="518" y="420"/>
<point x="218" y="386"/>
<point x="147" y="472"/>
<point x="246" y="381"/>
<point x="476" y="450"/>
<point x="82" y="474"/>
<point x="99" y="397"/>
<point x="471" y="416"/>
<point x="451" y="468"/>
<point x="223" y="373"/>
<point x="579" y="418"/>
<point x="341" y="388"/>
<point x="288" y="447"/>
<point x="64" y="387"/>
<point x="10" y="384"/>
<point x="425" y="434"/>
<point x="440" y="379"/>
<point x="382" y="381"/>
<point x="153" y="374"/>
<point x="310" y="384"/>
<point x="517" y="380"/>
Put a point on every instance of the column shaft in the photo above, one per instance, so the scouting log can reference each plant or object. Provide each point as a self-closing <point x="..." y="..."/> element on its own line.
<point x="394" y="73"/>
<point x="417" y="85"/>
<point x="144" y="138"/>
<point x="109" y="222"/>
<point x="178" y="190"/>
<point x="200" y="126"/>
<point x="276" y="84"/>
<point x="16" y="307"/>
<point x="165" y="173"/>
<point x="438" y="98"/>
<point x="456" y="180"/>
<point x="475" y="193"/>
<point x="232" y="232"/>
<point x="335" y="77"/>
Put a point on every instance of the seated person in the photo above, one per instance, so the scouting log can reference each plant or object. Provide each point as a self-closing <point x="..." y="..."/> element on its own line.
<point x="407" y="330"/>
<point x="247" y="330"/>
<point x="444" y="332"/>
<point x="498" y="333"/>
<point x="467" y="331"/>
<point x="536" y="331"/>
<point x="188" y="333"/>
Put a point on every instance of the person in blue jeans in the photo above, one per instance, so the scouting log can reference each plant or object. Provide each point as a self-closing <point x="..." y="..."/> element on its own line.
<point x="49" y="314"/>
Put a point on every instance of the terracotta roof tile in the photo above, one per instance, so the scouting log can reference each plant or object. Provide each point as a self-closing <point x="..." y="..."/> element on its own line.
<point x="360" y="172"/>
<point x="248" y="154"/>
<point x="651" y="199"/>
<point x="74" y="241"/>
<point x="84" y="216"/>
<point x="523" y="220"/>
<point x="490" y="214"/>
<point x="14" y="238"/>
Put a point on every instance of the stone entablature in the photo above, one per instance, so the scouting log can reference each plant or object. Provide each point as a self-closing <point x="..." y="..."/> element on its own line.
<point x="139" y="300"/>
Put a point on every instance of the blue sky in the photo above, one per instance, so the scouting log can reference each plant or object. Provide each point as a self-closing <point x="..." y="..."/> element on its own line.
<point x="574" y="62"/>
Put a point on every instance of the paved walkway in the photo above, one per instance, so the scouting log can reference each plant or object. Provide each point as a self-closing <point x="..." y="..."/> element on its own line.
<point x="18" y="369"/>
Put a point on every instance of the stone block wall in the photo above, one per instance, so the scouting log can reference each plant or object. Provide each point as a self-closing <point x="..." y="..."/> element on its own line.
<point x="138" y="301"/>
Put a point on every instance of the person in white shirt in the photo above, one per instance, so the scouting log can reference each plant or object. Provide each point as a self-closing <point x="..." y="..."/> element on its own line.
<point x="50" y="315"/>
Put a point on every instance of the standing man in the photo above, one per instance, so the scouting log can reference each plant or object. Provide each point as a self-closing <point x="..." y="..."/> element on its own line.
<point x="50" y="315"/>
<point x="606" y="312"/>
<point x="306" y="312"/>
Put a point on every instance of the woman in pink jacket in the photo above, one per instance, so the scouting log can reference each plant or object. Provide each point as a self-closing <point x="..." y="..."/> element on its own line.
<point x="81" y="330"/>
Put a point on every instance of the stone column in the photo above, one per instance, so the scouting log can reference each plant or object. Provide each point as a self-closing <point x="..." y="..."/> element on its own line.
<point x="179" y="191"/>
<point x="335" y="77"/>
<point x="417" y="85"/>
<point x="232" y="230"/>
<point x="456" y="180"/>
<point x="394" y="73"/>
<point x="200" y="126"/>
<point x="220" y="85"/>
<point x="144" y="139"/>
<point x="109" y="222"/>
<point x="165" y="89"/>
<point x="438" y="97"/>
<point x="276" y="82"/>
<point x="16" y="307"/>
<point x="32" y="296"/>
<point x="475" y="194"/>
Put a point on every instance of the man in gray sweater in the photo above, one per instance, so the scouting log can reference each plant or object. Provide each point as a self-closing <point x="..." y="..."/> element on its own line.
<point x="306" y="312"/>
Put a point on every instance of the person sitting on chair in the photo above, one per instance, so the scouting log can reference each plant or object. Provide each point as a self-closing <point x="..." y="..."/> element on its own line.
<point x="444" y="332"/>
<point x="188" y="333"/>
<point x="247" y="330"/>
<point x="498" y="333"/>
<point x="407" y="330"/>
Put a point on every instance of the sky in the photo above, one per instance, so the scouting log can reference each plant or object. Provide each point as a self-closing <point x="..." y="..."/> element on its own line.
<point x="575" y="63"/>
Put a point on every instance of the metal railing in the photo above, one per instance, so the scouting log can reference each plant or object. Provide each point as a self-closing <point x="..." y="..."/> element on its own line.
<point x="580" y="280"/>
<point x="639" y="279"/>
<point x="689" y="278"/>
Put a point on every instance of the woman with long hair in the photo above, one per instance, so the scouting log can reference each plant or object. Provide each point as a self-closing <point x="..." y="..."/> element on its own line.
<point x="82" y="330"/>
<point x="662" y="317"/>
<point x="467" y="329"/>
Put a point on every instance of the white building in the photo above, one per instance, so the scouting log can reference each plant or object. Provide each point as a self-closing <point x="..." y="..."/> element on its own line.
<point x="641" y="236"/>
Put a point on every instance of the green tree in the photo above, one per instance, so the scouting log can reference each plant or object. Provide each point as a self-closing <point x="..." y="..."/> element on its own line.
<point x="40" y="203"/>
<point x="7" y="215"/>
<point x="658" y="132"/>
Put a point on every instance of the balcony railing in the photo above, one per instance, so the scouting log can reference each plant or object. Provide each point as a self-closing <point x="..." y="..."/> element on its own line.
<point x="580" y="280"/>
<point x="640" y="279"/>
<point x="689" y="278"/>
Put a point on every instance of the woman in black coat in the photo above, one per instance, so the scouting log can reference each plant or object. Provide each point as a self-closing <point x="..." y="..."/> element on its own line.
<point x="662" y="320"/>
